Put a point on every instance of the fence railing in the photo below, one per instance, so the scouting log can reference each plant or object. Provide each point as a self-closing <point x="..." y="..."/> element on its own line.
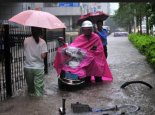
<point x="12" y="57"/>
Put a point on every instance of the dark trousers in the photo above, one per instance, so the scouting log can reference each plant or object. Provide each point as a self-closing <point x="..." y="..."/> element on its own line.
<point x="105" y="51"/>
<point x="97" y="79"/>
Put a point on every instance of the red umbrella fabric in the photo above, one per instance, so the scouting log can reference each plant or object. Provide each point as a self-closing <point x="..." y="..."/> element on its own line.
<point x="38" y="19"/>
<point x="93" y="16"/>
<point x="82" y="18"/>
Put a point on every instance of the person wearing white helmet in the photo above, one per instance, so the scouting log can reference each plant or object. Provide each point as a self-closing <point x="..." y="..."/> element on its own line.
<point x="87" y="28"/>
<point x="92" y="43"/>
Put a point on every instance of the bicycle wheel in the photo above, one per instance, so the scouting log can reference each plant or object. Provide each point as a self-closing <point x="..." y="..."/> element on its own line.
<point x="127" y="109"/>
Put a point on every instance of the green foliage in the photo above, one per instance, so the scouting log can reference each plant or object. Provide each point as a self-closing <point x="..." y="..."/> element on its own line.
<point x="151" y="13"/>
<point x="151" y="54"/>
<point x="146" y="45"/>
<point x="127" y="11"/>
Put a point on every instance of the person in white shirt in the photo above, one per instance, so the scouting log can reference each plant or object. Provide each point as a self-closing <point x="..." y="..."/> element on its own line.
<point x="35" y="50"/>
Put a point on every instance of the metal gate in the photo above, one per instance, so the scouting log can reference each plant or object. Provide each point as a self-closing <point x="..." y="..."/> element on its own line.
<point x="11" y="59"/>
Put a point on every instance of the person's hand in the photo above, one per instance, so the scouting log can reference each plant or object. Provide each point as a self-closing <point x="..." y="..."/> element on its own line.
<point x="44" y="55"/>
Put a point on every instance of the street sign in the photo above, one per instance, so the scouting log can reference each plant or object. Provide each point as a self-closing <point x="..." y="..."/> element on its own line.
<point x="69" y="4"/>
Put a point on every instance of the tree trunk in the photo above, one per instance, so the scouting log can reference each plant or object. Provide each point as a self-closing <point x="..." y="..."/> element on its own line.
<point x="140" y="24"/>
<point x="147" y="25"/>
<point x="129" y="25"/>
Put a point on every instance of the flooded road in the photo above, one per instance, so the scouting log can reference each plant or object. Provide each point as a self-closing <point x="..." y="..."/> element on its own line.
<point x="126" y="64"/>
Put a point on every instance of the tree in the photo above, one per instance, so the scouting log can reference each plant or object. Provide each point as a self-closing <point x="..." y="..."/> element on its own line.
<point x="127" y="12"/>
<point x="124" y="15"/>
<point x="151" y="14"/>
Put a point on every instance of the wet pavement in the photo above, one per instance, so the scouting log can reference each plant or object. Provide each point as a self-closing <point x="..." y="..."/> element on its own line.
<point x="126" y="64"/>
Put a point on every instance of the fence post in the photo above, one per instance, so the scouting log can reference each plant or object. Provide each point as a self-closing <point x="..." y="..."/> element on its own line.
<point x="64" y="34"/>
<point x="7" y="60"/>
<point x="45" y="60"/>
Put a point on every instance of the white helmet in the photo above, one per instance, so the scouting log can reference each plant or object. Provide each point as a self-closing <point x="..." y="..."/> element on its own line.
<point x="87" y="23"/>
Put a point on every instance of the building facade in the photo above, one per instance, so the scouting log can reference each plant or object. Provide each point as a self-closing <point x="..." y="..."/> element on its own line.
<point x="93" y="7"/>
<point x="67" y="12"/>
<point x="7" y="10"/>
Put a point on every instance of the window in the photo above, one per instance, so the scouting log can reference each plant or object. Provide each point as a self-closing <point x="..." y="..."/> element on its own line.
<point x="49" y="4"/>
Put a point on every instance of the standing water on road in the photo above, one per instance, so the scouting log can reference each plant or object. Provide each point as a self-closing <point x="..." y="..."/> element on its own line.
<point x="126" y="64"/>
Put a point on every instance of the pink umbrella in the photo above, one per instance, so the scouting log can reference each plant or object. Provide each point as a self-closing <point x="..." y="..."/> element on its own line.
<point x="93" y="16"/>
<point x="37" y="19"/>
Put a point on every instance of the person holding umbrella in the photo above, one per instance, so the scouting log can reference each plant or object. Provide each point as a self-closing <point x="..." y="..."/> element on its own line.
<point x="103" y="35"/>
<point x="35" y="50"/>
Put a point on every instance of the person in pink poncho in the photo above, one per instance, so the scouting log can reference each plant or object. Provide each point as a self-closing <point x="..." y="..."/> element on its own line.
<point x="91" y="42"/>
<point x="94" y="64"/>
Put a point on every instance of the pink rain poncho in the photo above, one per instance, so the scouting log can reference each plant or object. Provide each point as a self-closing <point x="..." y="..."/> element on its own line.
<point x="93" y="64"/>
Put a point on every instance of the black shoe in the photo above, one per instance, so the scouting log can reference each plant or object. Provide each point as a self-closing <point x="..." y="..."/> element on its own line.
<point x="98" y="79"/>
